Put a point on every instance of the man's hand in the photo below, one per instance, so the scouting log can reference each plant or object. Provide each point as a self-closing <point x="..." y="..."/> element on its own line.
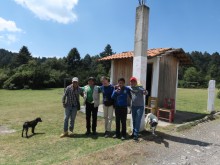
<point x="145" y="92"/>
<point x="64" y="105"/>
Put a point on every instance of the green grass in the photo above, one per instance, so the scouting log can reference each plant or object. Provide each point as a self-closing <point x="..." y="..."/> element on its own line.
<point x="21" y="105"/>
<point x="47" y="148"/>
<point x="194" y="100"/>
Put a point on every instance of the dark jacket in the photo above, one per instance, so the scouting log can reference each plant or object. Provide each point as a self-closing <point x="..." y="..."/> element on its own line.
<point x="121" y="97"/>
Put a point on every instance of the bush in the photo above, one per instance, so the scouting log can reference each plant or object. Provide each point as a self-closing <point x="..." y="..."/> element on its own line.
<point x="218" y="86"/>
<point x="3" y="78"/>
<point x="218" y="94"/>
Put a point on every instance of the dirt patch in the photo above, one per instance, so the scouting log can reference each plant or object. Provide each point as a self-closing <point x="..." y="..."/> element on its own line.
<point x="199" y="145"/>
<point x="6" y="130"/>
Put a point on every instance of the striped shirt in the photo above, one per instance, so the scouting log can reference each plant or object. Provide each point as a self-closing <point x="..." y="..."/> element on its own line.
<point x="71" y="96"/>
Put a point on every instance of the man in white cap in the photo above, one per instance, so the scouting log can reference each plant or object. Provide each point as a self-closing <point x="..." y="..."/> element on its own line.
<point x="71" y="104"/>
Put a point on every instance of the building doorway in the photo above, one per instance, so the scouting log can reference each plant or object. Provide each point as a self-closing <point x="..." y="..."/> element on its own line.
<point x="149" y="80"/>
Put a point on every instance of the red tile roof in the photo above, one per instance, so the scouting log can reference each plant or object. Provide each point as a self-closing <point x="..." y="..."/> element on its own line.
<point x="179" y="53"/>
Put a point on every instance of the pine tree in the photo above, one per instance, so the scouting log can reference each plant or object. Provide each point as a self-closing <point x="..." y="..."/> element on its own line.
<point x="107" y="52"/>
<point x="23" y="56"/>
<point x="73" y="60"/>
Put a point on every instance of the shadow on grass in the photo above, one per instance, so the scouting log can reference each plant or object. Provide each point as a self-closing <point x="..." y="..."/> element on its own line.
<point x="162" y="138"/>
<point x="35" y="134"/>
<point x="75" y="135"/>
<point x="98" y="135"/>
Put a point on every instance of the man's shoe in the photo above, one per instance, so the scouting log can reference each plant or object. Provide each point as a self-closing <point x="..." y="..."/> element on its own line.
<point x="135" y="138"/>
<point x="115" y="136"/>
<point x="106" y="135"/>
<point x="123" y="138"/>
<point x="71" y="133"/>
<point x="65" y="134"/>
<point x="87" y="133"/>
<point x="131" y="136"/>
<point x="94" y="133"/>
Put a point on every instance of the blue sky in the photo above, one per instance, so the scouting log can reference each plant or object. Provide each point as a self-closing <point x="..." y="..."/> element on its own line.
<point x="52" y="27"/>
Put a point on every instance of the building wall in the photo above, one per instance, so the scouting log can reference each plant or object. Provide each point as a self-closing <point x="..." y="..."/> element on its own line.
<point x="167" y="78"/>
<point x="167" y="75"/>
<point x="155" y="78"/>
<point x="122" y="68"/>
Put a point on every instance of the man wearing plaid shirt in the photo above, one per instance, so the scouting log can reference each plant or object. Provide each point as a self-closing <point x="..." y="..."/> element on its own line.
<point x="71" y="104"/>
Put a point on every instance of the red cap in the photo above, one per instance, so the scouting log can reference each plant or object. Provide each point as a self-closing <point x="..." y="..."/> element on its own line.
<point x="133" y="79"/>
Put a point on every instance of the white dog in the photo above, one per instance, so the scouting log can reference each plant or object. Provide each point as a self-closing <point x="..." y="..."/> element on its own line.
<point x="152" y="120"/>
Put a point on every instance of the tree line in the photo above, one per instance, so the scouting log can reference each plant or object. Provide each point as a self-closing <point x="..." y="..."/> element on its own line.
<point x="23" y="71"/>
<point x="205" y="67"/>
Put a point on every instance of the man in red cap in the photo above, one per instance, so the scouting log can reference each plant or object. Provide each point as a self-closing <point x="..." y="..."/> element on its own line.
<point x="137" y="105"/>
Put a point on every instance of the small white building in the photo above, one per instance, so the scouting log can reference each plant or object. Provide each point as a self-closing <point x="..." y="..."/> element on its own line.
<point x="162" y="70"/>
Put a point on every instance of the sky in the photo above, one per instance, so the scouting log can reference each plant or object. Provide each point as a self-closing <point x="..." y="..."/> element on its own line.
<point x="51" y="28"/>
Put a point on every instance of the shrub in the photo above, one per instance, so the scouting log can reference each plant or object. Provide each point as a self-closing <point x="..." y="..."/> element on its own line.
<point x="218" y="86"/>
<point x="218" y="94"/>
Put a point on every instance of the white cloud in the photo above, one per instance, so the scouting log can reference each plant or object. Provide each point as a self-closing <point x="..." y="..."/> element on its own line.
<point x="8" y="31"/>
<point x="6" y="25"/>
<point x="8" y="38"/>
<point x="60" y="11"/>
<point x="11" y="38"/>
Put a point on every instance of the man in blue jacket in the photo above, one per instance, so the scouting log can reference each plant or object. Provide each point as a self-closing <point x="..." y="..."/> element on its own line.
<point x="107" y="90"/>
<point x="120" y="95"/>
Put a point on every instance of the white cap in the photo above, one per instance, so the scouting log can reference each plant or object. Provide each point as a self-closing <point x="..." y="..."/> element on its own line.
<point x="75" y="79"/>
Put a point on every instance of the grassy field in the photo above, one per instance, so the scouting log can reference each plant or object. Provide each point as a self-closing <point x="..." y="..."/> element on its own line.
<point x="194" y="100"/>
<point x="46" y="147"/>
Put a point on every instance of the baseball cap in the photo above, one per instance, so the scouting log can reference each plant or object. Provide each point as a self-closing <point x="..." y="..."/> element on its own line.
<point x="91" y="78"/>
<point x="133" y="79"/>
<point x="75" y="79"/>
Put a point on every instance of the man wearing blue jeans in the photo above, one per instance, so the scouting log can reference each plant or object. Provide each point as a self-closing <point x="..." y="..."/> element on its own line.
<point x="71" y="104"/>
<point x="137" y="105"/>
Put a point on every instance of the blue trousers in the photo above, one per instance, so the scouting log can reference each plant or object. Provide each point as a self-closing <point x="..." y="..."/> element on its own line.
<point x="137" y="112"/>
<point x="69" y="114"/>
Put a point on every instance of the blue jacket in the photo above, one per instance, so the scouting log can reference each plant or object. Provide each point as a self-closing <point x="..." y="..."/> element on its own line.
<point x="121" y="97"/>
<point x="107" y="92"/>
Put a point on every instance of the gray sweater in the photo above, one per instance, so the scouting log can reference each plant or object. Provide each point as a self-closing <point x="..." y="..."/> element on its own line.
<point x="137" y="97"/>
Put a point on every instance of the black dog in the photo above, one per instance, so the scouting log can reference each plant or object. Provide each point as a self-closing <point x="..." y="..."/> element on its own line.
<point x="31" y="124"/>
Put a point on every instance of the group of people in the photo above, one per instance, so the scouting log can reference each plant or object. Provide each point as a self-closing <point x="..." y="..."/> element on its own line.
<point x="115" y="99"/>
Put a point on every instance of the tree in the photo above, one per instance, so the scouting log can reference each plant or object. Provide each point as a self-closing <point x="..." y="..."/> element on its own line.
<point x="73" y="60"/>
<point x="5" y="58"/>
<point x="23" y="56"/>
<point x="107" y="52"/>
<point x="192" y="76"/>
<point x="87" y="61"/>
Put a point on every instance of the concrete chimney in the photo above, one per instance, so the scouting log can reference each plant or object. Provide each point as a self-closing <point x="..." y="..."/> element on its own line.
<point x="140" y="48"/>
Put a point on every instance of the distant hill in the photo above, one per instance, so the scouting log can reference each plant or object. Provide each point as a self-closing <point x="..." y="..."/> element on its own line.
<point x="6" y="57"/>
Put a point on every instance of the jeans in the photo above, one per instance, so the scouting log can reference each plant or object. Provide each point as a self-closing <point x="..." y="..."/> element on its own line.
<point x="121" y="117"/>
<point x="70" y="113"/>
<point x="137" y="112"/>
<point x="90" y="109"/>
<point x="108" y="115"/>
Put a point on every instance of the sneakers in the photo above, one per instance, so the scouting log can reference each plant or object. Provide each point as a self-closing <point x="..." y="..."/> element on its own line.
<point x="87" y="133"/>
<point x="123" y="138"/>
<point x="65" y="134"/>
<point x="131" y="136"/>
<point x="107" y="134"/>
<point x="71" y="133"/>
<point x="94" y="133"/>
<point x="116" y="136"/>
<point x="135" y="138"/>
